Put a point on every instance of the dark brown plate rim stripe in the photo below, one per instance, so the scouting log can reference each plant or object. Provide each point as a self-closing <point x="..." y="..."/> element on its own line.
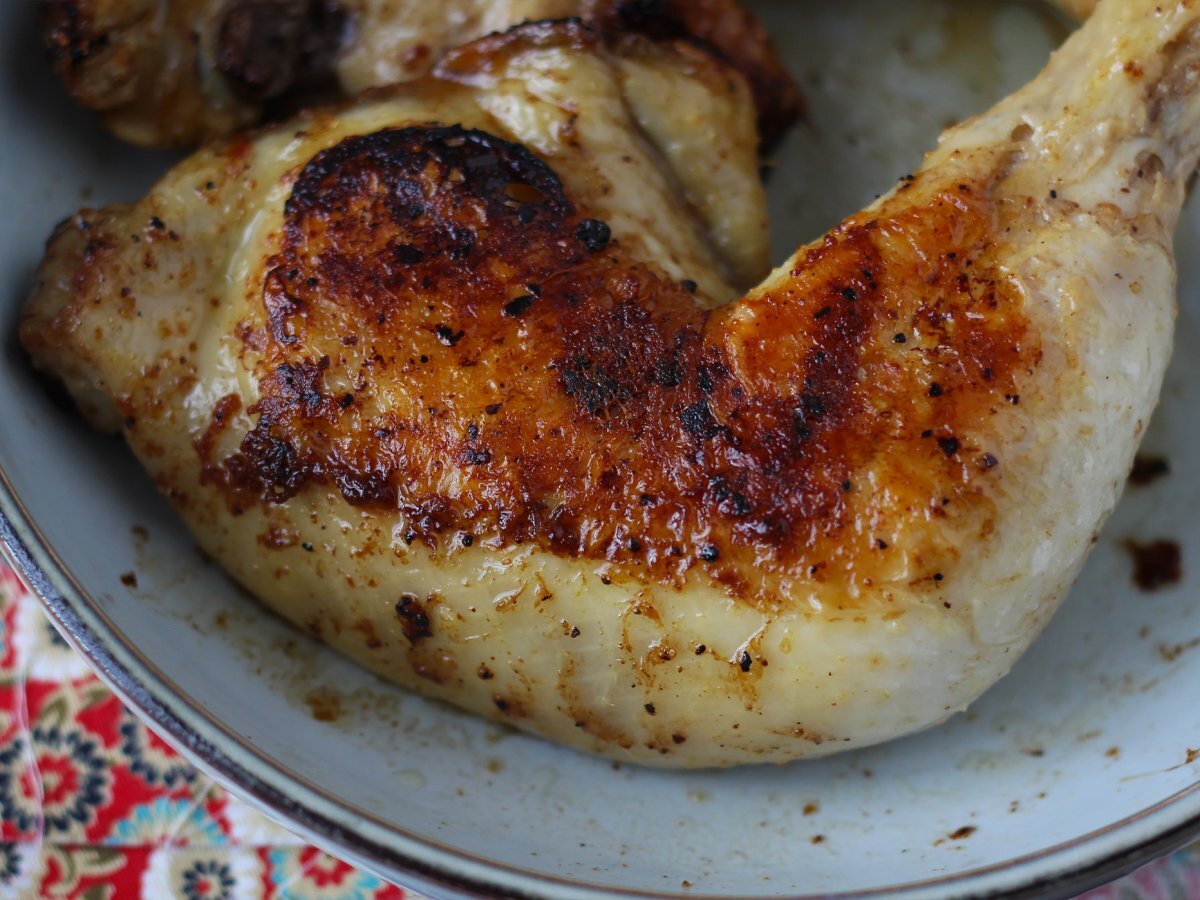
<point x="154" y="697"/>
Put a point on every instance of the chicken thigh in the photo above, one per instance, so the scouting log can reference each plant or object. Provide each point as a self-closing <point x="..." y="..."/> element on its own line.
<point x="172" y="73"/>
<point x="446" y="378"/>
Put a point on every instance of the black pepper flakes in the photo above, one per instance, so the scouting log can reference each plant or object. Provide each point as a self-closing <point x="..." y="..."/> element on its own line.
<point x="701" y="649"/>
<point x="650" y="708"/>
<point x="709" y="553"/>
<point x="900" y="339"/>
<point x="746" y="661"/>
<point x="492" y="408"/>
<point x="935" y="390"/>
<point x="478" y="457"/>
<point x="950" y="446"/>
<point x="448" y="336"/>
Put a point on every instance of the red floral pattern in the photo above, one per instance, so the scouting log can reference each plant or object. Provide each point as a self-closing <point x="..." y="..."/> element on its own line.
<point x="96" y="807"/>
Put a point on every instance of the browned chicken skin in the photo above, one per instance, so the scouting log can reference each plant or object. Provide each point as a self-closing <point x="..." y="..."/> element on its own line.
<point x="173" y="74"/>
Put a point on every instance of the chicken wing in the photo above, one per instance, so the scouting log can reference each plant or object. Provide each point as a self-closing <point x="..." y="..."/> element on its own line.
<point x="172" y="73"/>
<point x="444" y="377"/>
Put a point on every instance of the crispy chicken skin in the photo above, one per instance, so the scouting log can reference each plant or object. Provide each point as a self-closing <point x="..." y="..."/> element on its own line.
<point x="173" y="73"/>
<point x="428" y="376"/>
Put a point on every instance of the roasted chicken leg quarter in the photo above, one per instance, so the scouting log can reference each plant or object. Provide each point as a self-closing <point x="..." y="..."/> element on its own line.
<point x="446" y="378"/>
<point x="172" y="73"/>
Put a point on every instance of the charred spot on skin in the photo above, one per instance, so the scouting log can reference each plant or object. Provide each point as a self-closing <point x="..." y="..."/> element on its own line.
<point x="698" y="421"/>
<point x="594" y="234"/>
<point x="516" y="308"/>
<point x="414" y="620"/>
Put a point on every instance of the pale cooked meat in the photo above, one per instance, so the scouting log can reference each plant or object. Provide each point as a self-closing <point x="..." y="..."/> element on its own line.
<point x="406" y="387"/>
<point x="172" y="74"/>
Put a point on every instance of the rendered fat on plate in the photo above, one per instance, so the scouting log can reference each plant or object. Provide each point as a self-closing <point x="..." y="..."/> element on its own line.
<point x="448" y="377"/>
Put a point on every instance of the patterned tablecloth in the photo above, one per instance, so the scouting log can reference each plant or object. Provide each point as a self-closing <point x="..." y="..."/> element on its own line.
<point x="94" y="806"/>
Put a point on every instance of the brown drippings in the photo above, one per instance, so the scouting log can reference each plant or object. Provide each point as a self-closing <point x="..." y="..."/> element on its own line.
<point x="129" y="579"/>
<point x="1172" y="652"/>
<point x="325" y="704"/>
<point x="1148" y="469"/>
<point x="963" y="833"/>
<point x="1156" y="565"/>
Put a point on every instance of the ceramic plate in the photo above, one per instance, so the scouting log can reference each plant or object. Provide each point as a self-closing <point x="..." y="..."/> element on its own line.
<point x="1082" y="764"/>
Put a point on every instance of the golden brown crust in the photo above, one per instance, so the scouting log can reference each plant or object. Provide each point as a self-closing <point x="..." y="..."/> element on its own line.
<point x="446" y="333"/>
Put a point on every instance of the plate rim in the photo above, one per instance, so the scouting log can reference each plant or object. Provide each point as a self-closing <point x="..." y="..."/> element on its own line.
<point x="155" y="699"/>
